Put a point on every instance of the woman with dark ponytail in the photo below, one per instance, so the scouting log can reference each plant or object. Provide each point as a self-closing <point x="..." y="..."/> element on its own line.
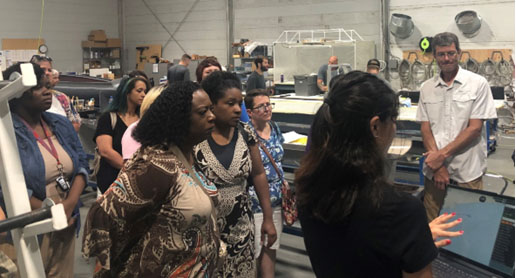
<point x="354" y="223"/>
<point x="121" y="113"/>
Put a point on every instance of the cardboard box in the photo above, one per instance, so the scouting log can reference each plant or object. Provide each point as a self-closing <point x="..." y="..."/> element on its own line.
<point x="143" y="56"/>
<point x="88" y="44"/>
<point x="115" y="53"/>
<point x="97" y="35"/>
<point x="99" y="44"/>
<point x="108" y="75"/>
<point x="21" y="44"/>
<point x="114" y="43"/>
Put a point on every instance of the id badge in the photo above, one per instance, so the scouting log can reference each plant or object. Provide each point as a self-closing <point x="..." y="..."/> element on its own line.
<point x="63" y="183"/>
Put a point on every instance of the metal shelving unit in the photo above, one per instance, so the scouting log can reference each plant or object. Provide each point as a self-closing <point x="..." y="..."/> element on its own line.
<point x="102" y="57"/>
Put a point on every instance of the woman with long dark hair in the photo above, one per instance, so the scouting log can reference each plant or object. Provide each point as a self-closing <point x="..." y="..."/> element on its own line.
<point x="121" y="113"/>
<point x="354" y="223"/>
<point x="158" y="218"/>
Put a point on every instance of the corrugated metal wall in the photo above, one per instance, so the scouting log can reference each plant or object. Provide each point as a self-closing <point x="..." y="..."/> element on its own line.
<point x="437" y="16"/>
<point x="432" y="17"/>
<point x="202" y="31"/>
<point x="265" y="20"/>
<point x="66" y="23"/>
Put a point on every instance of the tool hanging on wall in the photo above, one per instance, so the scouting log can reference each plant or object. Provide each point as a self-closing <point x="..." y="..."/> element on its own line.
<point x="418" y="71"/>
<point x="141" y="49"/>
<point x="433" y="69"/>
<point x="404" y="73"/>
<point x="470" y="64"/>
<point x="504" y="70"/>
<point x="393" y="66"/>
<point x="488" y="69"/>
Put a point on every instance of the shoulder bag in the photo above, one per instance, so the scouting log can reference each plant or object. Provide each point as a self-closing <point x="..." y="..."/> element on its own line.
<point x="288" y="198"/>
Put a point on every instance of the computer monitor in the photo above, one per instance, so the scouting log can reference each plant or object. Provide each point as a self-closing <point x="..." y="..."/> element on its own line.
<point x="488" y="225"/>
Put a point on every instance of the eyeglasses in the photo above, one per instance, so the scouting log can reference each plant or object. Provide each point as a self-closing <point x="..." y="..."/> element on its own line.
<point x="263" y="107"/>
<point x="450" y="54"/>
<point x="38" y="58"/>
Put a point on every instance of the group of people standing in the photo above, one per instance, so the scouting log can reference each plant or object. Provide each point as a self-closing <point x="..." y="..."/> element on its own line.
<point x="190" y="190"/>
<point x="180" y="178"/>
<point x="354" y="223"/>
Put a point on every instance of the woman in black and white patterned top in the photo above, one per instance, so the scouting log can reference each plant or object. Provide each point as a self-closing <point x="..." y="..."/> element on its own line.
<point x="228" y="157"/>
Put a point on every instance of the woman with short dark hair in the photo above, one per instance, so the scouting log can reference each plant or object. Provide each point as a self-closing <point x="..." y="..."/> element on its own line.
<point x="158" y="218"/>
<point x="206" y="67"/>
<point x="228" y="158"/>
<point x="354" y="223"/>
<point x="54" y="166"/>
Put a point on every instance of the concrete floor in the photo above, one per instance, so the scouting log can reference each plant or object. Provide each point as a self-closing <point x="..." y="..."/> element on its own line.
<point x="292" y="260"/>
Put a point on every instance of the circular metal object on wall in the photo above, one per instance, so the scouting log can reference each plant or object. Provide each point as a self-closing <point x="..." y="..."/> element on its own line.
<point x="468" y="23"/>
<point x="472" y="65"/>
<point x="488" y="67"/>
<point x="401" y="26"/>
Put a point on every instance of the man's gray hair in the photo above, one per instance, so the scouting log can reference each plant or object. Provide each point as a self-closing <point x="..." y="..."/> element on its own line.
<point x="445" y="39"/>
<point x="55" y="73"/>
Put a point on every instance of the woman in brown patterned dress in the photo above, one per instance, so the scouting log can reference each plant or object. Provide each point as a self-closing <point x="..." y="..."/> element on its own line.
<point x="228" y="157"/>
<point x="158" y="218"/>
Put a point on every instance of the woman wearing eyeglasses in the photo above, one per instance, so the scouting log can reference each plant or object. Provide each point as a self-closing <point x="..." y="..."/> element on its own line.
<point x="270" y="137"/>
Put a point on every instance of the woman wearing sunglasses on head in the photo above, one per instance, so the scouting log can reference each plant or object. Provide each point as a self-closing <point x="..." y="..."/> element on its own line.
<point x="54" y="166"/>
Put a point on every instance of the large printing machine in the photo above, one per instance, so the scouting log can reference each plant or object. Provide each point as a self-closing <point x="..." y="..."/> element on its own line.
<point x="295" y="114"/>
<point x="292" y="113"/>
<point x="86" y="87"/>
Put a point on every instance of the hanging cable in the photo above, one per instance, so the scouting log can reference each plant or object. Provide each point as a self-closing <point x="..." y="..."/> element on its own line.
<point x="41" y="23"/>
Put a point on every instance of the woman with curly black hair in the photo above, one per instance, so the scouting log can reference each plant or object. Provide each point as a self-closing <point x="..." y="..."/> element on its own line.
<point x="228" y="157"/>
<point x="158" y="218"/>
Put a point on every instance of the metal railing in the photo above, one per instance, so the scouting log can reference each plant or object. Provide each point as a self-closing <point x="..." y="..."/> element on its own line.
<point x="318" y="36"/>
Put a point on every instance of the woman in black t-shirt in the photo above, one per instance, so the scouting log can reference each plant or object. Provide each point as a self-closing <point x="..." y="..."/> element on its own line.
<point x="122" y="111"/>
<point x="354" y="223"/>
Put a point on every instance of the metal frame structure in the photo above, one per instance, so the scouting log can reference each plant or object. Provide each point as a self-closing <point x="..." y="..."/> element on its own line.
<point x="317" y="36"/>
<point x="13" y="184"/>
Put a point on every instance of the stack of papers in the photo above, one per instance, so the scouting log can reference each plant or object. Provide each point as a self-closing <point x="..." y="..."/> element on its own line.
<point x="293" y="137"/>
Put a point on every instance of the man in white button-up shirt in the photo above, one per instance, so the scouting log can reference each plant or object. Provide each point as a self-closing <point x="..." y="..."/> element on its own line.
<point x="452" y="109"/>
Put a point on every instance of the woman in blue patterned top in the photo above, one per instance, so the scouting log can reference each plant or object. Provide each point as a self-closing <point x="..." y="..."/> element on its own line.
<point x="269" y="134"/>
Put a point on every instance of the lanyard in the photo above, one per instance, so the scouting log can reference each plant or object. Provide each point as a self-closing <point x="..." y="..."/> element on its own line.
<point x="52" y="149"/>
